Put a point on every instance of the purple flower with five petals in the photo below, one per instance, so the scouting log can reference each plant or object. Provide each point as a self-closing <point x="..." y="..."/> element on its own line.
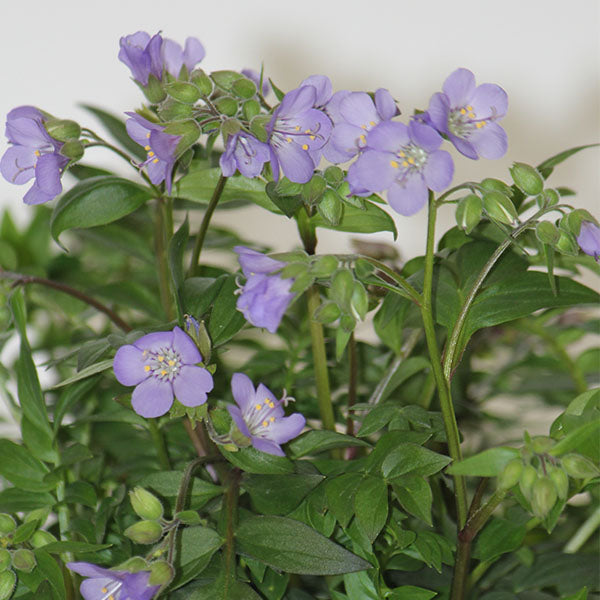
<point x="244" y="153"/>
<point x="160" y="147"/>
<point x="162" y="365"/>
<point x="105" y="584"/>
<point x="468" y="115"/>
<point x="297" y="133"/>
<point x="405" y="161"/>
<point x="259" y="416"/>
<point x="33" y="154"/>
<point x="589" y="239"/>
<point x="265" y="296"/>
<point x="146" y="55"/>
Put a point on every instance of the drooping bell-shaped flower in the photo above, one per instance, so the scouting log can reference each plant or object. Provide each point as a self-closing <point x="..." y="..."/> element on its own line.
<point x="244" y="153"/>
<point x="589" y="239"/>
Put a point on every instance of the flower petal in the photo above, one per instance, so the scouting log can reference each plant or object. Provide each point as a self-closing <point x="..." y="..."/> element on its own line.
<point x="26" y="131"/>
<point x="238" y="419"/>
<point x="459" y="87"/>
<point x="358" y="109"/>
<point x="373" y="171"/>
<point x="438" y="170"/>
<point x="408" y="198"/>
<point x="589" y="239"/>
<point x="297" y="101"/>
<point x="388" y="136"/>
<point x="152" y="398"/>
<point x="296" y="163"/>
<point x="18" y="164"/>
<point x="48" y="171"/>
<point x="439" y="108"/>
<point x="128" y="365"/>
<point x="465" y="147"/>
<point x="93" y="589"/>
<point x="155" y="341"/>
<point x="490" y="141"/>
<point x="36" y="196"/>
<point x="193" y="53"/>
<point x="323" y="88"/>
<point x="243" y="391"/>
<point x="264" y="393"/>
<point x="185" y="346"/>
<point x="267" y="446"/>
<point x="90" y="570"/>
<point x="286" y="428"/>
<point x="192" y="385"/>
<point x="385" y="104"/>
<point x="135" y="586"/>
<point x="172" y="56"/>
<point x="489" y="100"/>
<point x="253" y="262"/>
<point x="424" y="136"/>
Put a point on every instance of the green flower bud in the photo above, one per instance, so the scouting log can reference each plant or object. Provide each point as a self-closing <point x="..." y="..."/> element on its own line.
<point x="331" y="208"/>
<point x="328" y="312"/>
<point x="7" y="584"/>
<point x="73" y="150"/>
<point x="468" y="212"/>
<point x="153" y="90"/>
<point x="189" y="517"/>
<point x="579" y="467"/>
<point x="542" y="443"/>
<point x="243" y="88"/>
<point x="360" y="301"/>
<point x="198" y="332"/>
<point x="571" y="222"/>
<point x="324" y="266"/>
<point x="184" y="92"/>
<point x="334" y="175"/>
<point x="5" y="559"/>
<point x="313" y="191"/>
<point x="250" y="109"/>
<point x="24" y="560"/>
<point x="491" y="184"/>
<point x="548" y="198"/>
<point x="226" y="105"/>
<point x="511" y="474"/>
<point x="527" y="179"/>
<point x="161" y="573"/>
<point x="347" y="323"/>
<point x="202" y="81"/>
<point x="561" y="481"/>
<point x="225" y="79"/>
<point x="500" y="207"/>
<point x="543" y="496"/>
<point x="41" y="538"/>
<point x="257" y="127"/>
<point x="39" y="514"/>
<point x="547" y="233"/>
<point x="7" y="523"/>
<point x="144" y="532"/>
<point x="62" y="130"/>
<point x="342" y="287"/>
<point x="302" y="282"/>
<point x="567" y="244"/>
<point x="135" y="564"/>
<point x="145" y="504"/>
<point x="528" y="477"/>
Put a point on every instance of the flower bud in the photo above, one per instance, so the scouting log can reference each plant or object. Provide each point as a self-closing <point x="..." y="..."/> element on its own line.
<point x="135" y="564"/>
<point x="548" y="198"/>
<point x="189" y="517"/>
<point x="347" y="323"/>
<point x="511" y="474"/>
<point x="202" y="81"/>
<point x="153" y="91"/>
<point x="547" y="233"/>
<point x="184" y="92"/>
<point x="333" y="175"/>
<point x="7" y="523"/>
<point x="331" y="207"/>
<point x="324" y="266"/>
<point x="561" y="481"/>
<point x="144" y="532"/>
<point x="243" y="88"/>
<point x="198" y="332"/>
<point x="24" y="560"/>
<point x="342" y="287"/>
<point x="542" y="443"/>
<point x="161" y="573"/>
<point x="500" y="207"/>
<point x="543" y="496"/>
<point x="328" y="312"/>
<point x="62" y="130"/>
<point x="226" y="105"/>
<point x="567" y="244"/>
<point x="7" y="584"/>
<point x="250" y="109"/>
<point x="360" y="301"/>
<point x="527" y="179"/>
<point x="73" y="149"/>
<point x="579" y="466"/>
<point x="4" y="559"/>
<point x="145" y="504"/>
<point x="41" y="538"/>
<point x="528" y="477"/>
<point x="225" y="79"/>
<point x="491" y="184"/>
<point x="468" y="212"/>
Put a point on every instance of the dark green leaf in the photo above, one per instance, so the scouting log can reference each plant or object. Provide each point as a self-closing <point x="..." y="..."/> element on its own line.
<point x="21" y="469"/>
<point x="415" y="496"/>
<point x="371" y="506"/>
<point x="81" y="492"/>
<point x="488" y="463"/>
<point x="316" y="441"/>
<point x="51" y="572"/>
<point x="74" y="547"/>
<point x="410" y="592"/>
<point x="166" y="483"/>
<point x="225" y="320"/>
<point x="87" y="372"/>
<point x="13" y="500"/>
<point x="498" y="537"/>
<point x="412" y="459"/>
<point x="293" y="547"/>
<point x="177" y="247"/>
<point x="340" y="496"/>
<point x="578" y="438"/>
<point x="254" y="461"/>
<point x="546" y="167"/>
<point x="359" y="586"/>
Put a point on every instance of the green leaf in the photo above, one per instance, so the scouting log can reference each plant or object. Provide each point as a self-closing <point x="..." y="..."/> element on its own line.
<point x="116" y="127"/>
<point x="410" y="592"/>
<point x="287" y="204"/>
<point x="97" y="201"/>
<point x="24" y="532"/>
<point x="293" y="547"/>
<point x="415" y="496"/>
<point x="225" y="320"/>
<point x="254" y="461"/>
<point x="177" y="247"/>
<point x="81" y="492"/>
<point x="51" y="572"/>
<point x="21" y="469"/>
<point x="340" y="496"/>
<point x="166" y="483"/>
<point x="411" y="459"/>
<point x="14" y="500"/>
<point x="87" y="372"/>
<point x="498" y="537"/>
<point x="577" y="438"/>
<point x="546" y="167"/>
<point x="74" y="547"/>
<point x="488" y="463"/>
<point x="315" y="441"/>
<point x="371" y="506"/>
<point x="582" y="594"/>
<point x="359" y="586"/>
<point x="279" y="494"/>
<point x="355" y="220"/>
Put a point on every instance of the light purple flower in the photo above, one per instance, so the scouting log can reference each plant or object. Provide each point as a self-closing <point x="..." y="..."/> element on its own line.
<point x="254" y="75"/>
<point x="589" y="239"/>
<point x="146" y="55"/>
<point x="259" y="416"/>
<point x="468" y="115"/>
<point x="162" y="365"/>
<point x="297" y="133"/>
<point x="105" y="584"/>
<point x="256" y="263"/>
<point x="160" y="148"/>
<point x="405" y="161"/>
<point x="245" y="153"/>
<point x="33" y="154"/>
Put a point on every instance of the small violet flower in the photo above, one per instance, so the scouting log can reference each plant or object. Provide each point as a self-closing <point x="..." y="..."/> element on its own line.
<point x="259" y="416"/>
<point x="160" y="148"/>
<point x="265" y="296"/>
<point x="297" y="133"/>
<point x="145" y="55"/>
<point x="105" y="584"/>
<point x="589" y="239"/>
<point x="244" y="153"/>
<point x="405" y="161"/>
<point x="467" y="115"/>
<point x="33" y="154"/>
<point x="162" y="365"/>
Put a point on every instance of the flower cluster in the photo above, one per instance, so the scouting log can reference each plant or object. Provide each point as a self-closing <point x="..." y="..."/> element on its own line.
<point x="265" y="296"/>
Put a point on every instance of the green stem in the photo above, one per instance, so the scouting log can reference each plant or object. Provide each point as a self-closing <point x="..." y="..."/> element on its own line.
<point x="160" y="249"/>
<point x="210" y="209"/>
<point x="450" y="425"/>
<point x="231" y="503"/>
<point x="583" y="533"/>
<point x="159" y="443"/>
<point x="352" y="382"/>
<point x="407" y="290"/>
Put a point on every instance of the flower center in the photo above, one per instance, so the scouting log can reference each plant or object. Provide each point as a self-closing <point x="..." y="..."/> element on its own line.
<point x="285" y="131"/>
<point x="112" y="591"/>
<point x="259" y="417"/>
<point x="463" y="121"/>
<point x="164" y="364"/>
<point x="151" y="156"/>
<point x="410" y="157"/>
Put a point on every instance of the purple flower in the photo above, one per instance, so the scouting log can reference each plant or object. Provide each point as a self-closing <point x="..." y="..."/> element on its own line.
<point x="468" y="115"/>
<point x="323" y="89"/>
<point x="105" y="584"/>
<point x="245" y="153"/>
<point x="159" y="145"/>
<point x="253" y="75"/>
<point x="589" y="239"/>
<point x="259" y="416"/>
<point x="354" y="115"/>
<point x="146" y="55"/>
<point x="297" y="133"/>
<point x="405" y="161"/>
<point x="265" y="297"/>
<point x="162" y="365"/>
<point x="33" y="154"/>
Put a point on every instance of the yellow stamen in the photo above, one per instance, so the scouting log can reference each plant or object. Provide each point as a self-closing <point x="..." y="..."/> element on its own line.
<point x="297" y="128"/>
<point x="312" y="137"/>
<point x="271" y="405"/>
<point x="304" y="147"/>
<point x="104" y="590"/>
<point x="272" y="419"/>
<point x="471" y="115"/>
<point x="288" y="140"/>
<point x="148" y="135"/>
<point x="463" y="111"/>
<point x="147" y="368"/>
<point x="146" y="148"/>
<point x="155" y="160"/>
<point x="160" y="358"/>
<point x="258" y="407"/>
<point x="163" y="372"/>
<point x="307" y="131"/>
<point x="363" y="126"/>
<point x="404" y="163"/>
<point x="372" y="123"/>
<point x="394" y="164"/>
<point x="363" y="138"/>
<point x="411" y="161"/>
<point x="469" y="107"/>
<point x="171" y="363"/>
<point x="150" y="154"/>
<point x="402" y="154"/>
<point x="37" y="152"/>
<point x="265" y="423"/>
